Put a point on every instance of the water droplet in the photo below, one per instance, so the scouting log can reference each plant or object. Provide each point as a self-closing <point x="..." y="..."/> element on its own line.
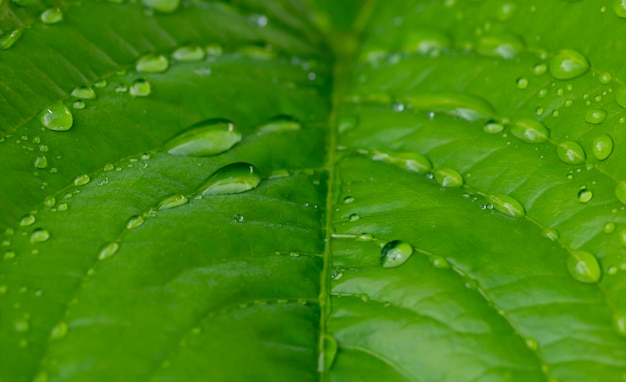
<point x="8" y="39"/>
<point x="140" y="88"/>
<point x="505" y="45"/>
<point x="3" y="289"/>
<point x="412" y="162"/>
<point x="619" y="6"/>
<point x="507" y="205"/>
<point x="612" y="270"/>
<point x="596" y="116"/>
<point x="100" y="84"/>
<point x="78" y="105"/>
<point x="585" y="195"/>
<point x="84" y="92"/>
<point x="551" y="234"/>
<point x="210" y="137"/>
<point x="620" y="191"/>
<point x="602" y="147"/>
<point x="348" y="200"/>
<point x="540" y="69"/>
<point x="606" y="78"/>
<point x="189" y="53"/>
<point x="522" y="82"/>
<point x="619" y="322"/>
<point x="395" y="253"/>
<point x="608" y="227"/>
<point x="62" y="207"/>
<point x="448" y="177"/>
<point x="41" y="377"/>
<point x="465" y="106"/>
<point x="27" y="220"/>
<point x="234" y="178"/>
<point x="9" y="255"/>
<point x="328" y="355"/>
<point x="506" y="10"/>
<point x="532" y="344"/>
<point x="530" y="131"/>
<point x="213" y="50"/>
<point x="152" y="64"/>
<point x="82" y="180"/>
<point x="39" y="236"/>
<point x="428" y="42"/>
<point x="21" y="326"/>
<point x="439" y="262"/>
<point x="571" y="153"/>
<point x="280" y="124"/>
<point x="108" y="250"/>
<point x="493" y="127"/>
<point x="134" y="222"/>
<point x="568" y="64"/>
<point x="50" y="201"/>
<point x="354" y="217"/>
<point x="165" y="6"/>
<point x="51" y="16"/>
<point x="584" y="267"/>
<point x="59" y="331"/>
<point x="173" y="201"/>
<point x="57" y="117"/>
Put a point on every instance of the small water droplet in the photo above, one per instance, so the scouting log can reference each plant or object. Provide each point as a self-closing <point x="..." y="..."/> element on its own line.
<point x="522" y="82"/>
<point x="189" y="53"/>
<point x="620" y="191"/>
<point x="173" y="201"/>
<point x="39" y="235"/>
<point x="134" y="222"/>
<point x="412" y="162"/>
<point x="82" y="180"/>
<point x="427" y="42"/>
<point x="57" y="117"/>
<point x="108" y="250"/>
<point x="571" y="153"/>
<point x="584" y="267"/>
<point x="84" y="92"/>
<point x="8" y="39"/>
<point x="27" y="220"/>
<point x="530" y="131"/>
<point x="608" y="227"/>
<point x="51" y="16"/>
<point x="612" y="270"/>
<point x="595" y="116"/>
<point x="62" y="207"/>
<point x="602" y="147"/>
<point x="41" y="162"/>
<point x="210" y="137"/>
<point x="140" y="88"/>
<point x="9" y="255"/>
<point x="59" y="331"/>
<point x="280" y="123"/>
<point x="568" y="64"/>
<point x="606" y="78"/>
<point x="532" y="344"/>
<point x="152" y="64"/>
<point x="585" y="195"/>
<point x="354" y="217"/>
<point x="50" y="201"/>
<point x="100" y="84"/>
<point x="21" y="326"/>
<point x="505" y="45"/>
<point x="448" y="177"/>
<point x="395" y="253"/>
<point x="551" y="234"/>
<point x="329" y="353"/>
<point x="164" y="6"/>
<point x="493" y="127"/>
<point x="78" y="105"/>
<point x="439" y="262"/>
<point x="41" y="377"/>
<point x="234" y="178"/>
<point x="619" y="322"/>
<point x="507" y="205"/>
<point x="540" y="69"/>
<point x="348" y="199"/>
<point x="239" y="218"/>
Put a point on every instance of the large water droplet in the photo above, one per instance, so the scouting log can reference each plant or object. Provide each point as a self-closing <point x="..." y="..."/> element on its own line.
<point x="210" y="137"/>
<point x="619" y="6"/>
<point x="448" y="177"/>
<point x="232" y="179"/>
<point x="57" y="117"/>
<point x="429" y="42"/>
<point x="412" y="162"/>
<point x="140" y="88"/>
<point x="584" y="267"/>
<point x="189" y="54"/>
<point x="585" y="195"/>
<point x="530" y="131"/>
<point x="51" y="16"/>
<point x="59" y="331"/>
<point x="173" y="201"/>
<point x="595" y="116"/>
<point x="602" y="147"/>
<point x="505" y="45"/>
<point x="84" y="92"/>
<point x="280" y="124"/>
<point x="395" y="253"/>
<point x="507" y="205"/>
<point x="329" y="353"/>
<point x="620" y="191"/>
<point x="39" y="236"/>
<point x="571" y="153"/>
<point x="165" y="6"/>
<point x="82" y="180"/>
<point x="568" y="64"/>
<point x="8" y="39"/>
<point x="152" y="64"/>
<point x="108" y="250"/>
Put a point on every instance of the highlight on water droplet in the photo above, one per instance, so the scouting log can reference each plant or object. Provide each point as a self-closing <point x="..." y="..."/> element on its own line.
<point x="412" y="162"/>
<point x="134" y="222"/>
<point x="585" y="195"/>
<point x="427" y="41"/>
<point x="210" y="137"/>
<point x="140" y="88"/>
<point x="571" y="153"/>
<point x="57" y="117"/>
<point x="51" y="16"/>
<point x="539" y="69"/>
<point x="7" y="39"/>
<point x="568" y="64"/>
<point x="280" y="123"/>
<point x="59" y="331"/>
<point x="172" y="201"/>
<point x="507" y="205"/>
<point x="551" y="234"/>
<point x="620" y="191"/>
<point x="152" y="64"/>
<point x="584" y="267"/>
<point x="234" y="178"/>
<point x="619" y="323"/>
<point x="328" y="354"/>
<point x="493" y="127"/>
<point x="27" y="220"/>
<point x="41" y="162"/>
<point x="530" y="131"/>
<point x="21" y="326"/>
<point x="462" y="105"/>
<point x="82" y="180"/>
<point x="504" y="45"/>
<point x="522" y="82"/>
<point x="189" y="53"/>
<point x="84" y="92"/>
<point x="596" y="116"/>
<point x="395" y="253"/>
<point x="39" y="235"/>
<point x="609" y="227"/>
<point x="108" y="250"/>
<point x="448" y="177"/>
<point x="164" y="6"/>
<point x="602" y="147"/>
<point x="439" y="262"/>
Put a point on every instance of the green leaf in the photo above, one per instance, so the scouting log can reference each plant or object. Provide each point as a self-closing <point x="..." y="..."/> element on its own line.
<point x="312" y="190"/>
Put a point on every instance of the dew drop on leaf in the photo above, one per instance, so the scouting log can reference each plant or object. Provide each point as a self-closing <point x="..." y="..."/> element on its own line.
<point x="51" y="16"/>
<point x="9" y="255"/>
<point x="280" y="124"/>
<point x="189" y="53"/>
<point x="412" y="162"/>
<point x="568" y="64"/>
<point x="448" y="177"/>
<point x="210" y="137"/>
<point x="165" y="6"/>
<point x="427" y="42"/>
<point x="234" y="178"/>
<point x="539" y="69"/>
<point x="140" y="88"/>
<point x="619" y="322"/>
<point x="606" y="78"/>
<point x="134" y="222"/>
<point x="439" y="262"/>
<point x="57" y="117"/>
<point x="82" y="180"/>
<point x="584" y="267"/>
<point x="9" y="38"/>
<point x="84" y="92"/>
<point x="595" y="116"/>
<point x="59" y="331"/>
<point x="522" y="82"/>
<point x="507" y="205"/>
<point x="585" y="195"/>
<point x="108" y="250"/>
<point x="608" y="227"/>
<point x="27" y="220"/>
<point x="532" y="344"/>
<point x="530" y="131"/>
<point x="395" y="253"/>
<point x="152" y="64"/>
<point x="571" y="153"/>
<point x="41" y="162"/>
<point x="551" y="234"/>
<point x="39" y="235"/>
<point x="493" y="128"/>
<point x="172" y="201"/>
<point x="504" y="45"/>
<point x="21" y="326"/>
<point x="602" y="147"/>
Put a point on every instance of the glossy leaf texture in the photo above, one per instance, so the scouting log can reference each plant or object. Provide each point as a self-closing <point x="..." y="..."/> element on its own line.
<point x="312" y="190"/>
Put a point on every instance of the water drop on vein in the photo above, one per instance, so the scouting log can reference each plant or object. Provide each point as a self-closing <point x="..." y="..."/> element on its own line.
<point x="9" y="38"/>
<point x="507" y="205"/>
<point x="59" y="331"/>
<point x="280" y="123"/>
<point x="234" y="178"/>
<point x="602" y="147"/>
<point x="140" y="88"/>
<point x="439" y="262"/>
<point x="584" y="267"/>
<point x="395" y="253"/>
<point x="84" y="92"/>
<point x="57" y="117"/>
<point x="568" y="64"/>
<point x="328" y="354"/>
<point x="152" y="64"/>
<point x="39" y="235"/>
<point x="412" y="162"/>
<point x="551" y="234"/>
<point x="210" y="137"/>
<point x="51" y="16"/>
<point x="530" y="131"/>
<point x="571" y="153"/>
<point x="172" y="202"/>
<point x="134" y="222"/>
<point x="448" y="178"/>
<point x="189" y="53"/>
<point x="82" y="180"/>
<point x="108" y="250"/>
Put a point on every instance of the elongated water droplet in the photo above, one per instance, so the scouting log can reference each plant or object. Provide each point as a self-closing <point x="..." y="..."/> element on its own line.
<point x="412" y="162"/>
<point x="530" y="131"/>
<point x="152" y="64"/>
<point x="493" y="127"/>
<point x="134" y="222"/>
<point x="165" y="6"/>
<point x="189" y="53"/>
<point x="395" y="253"/>
<point x="280" y="124"/>
<point x="595" y="116"/>
<point x="551" y="234"/>
<point x="465" y="106"/>
<point x="57" y="117"/>
<point x="428" y="42"/>
<point x="448" y="177"/>
<point x="620" y="191"/>
<point x="619" y="322"/>
<point x="439" y="262"/>
<point x="84" y="92"/>
<point x="82" y="180"/>
<point x="173" y="201"/>
<point x="327" y="357"/>
<point x="602" y="147"/>
<point x="108" y="250"/>
<point x="209" y="137"/>
<point x="585" y="195"/>
<point x="27" y="220"/>
<point x="584" y="267"/>
<point x="51" y="16"/>
<point x="59" y="331"/>
<point x="140" y="88"/>
<point x="507" y="205"/>
<point x="539" y="69"/>
<point x="8" y="39"/>
<point x="232" y="179"/>
<point x="39" y="235"/>
<point x="505" y="45"/>
<point x="41" y="162"/>
<point x="568" y="64"/>
<point x="571" y="153"/>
